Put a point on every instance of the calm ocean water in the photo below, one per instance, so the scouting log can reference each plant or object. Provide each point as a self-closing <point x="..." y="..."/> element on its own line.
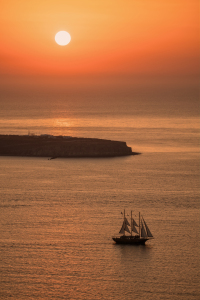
<point x="58" y="216"/>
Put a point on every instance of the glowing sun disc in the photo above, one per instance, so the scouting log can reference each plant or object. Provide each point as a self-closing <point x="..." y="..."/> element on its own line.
<point x="62" y="38"/>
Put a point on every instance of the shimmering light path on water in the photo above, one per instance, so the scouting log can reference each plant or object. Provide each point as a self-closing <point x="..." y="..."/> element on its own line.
<point x="57" y="217"/>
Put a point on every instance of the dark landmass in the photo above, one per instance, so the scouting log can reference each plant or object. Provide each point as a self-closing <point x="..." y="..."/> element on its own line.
<point x="61" y="146"/>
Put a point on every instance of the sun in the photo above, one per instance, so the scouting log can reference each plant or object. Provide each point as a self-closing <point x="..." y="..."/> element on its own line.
<point x="62" y="38"/>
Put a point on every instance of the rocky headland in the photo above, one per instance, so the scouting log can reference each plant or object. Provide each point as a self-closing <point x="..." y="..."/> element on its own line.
<point x="61" y="146"/>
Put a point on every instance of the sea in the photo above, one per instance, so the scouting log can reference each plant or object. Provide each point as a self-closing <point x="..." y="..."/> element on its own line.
<point x="57" y="217"/>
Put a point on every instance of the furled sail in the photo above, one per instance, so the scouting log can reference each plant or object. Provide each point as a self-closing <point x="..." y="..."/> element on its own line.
<point x="149" y="234"/>
<point x="143" y="232"/>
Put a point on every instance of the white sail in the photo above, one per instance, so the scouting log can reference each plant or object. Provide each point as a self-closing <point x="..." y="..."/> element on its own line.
<point x="149" y="234"/>
<point x="122" y="230"/>
<point x="143" y="232"/>
<point x="124" y="227"/>
<point x="127" y="229"/>
<point x="126" y="221"/>
<point x="134" y="223"/>
<point x="134" y="229"/>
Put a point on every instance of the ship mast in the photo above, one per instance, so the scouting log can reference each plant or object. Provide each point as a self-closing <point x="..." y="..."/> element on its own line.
<point x="124" y="222"/>
<point x="139" y="224"/>
<point x="131" y="223"/>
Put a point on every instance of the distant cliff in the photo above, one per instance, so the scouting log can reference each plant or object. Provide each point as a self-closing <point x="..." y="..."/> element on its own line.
<point x="61" y="146"/>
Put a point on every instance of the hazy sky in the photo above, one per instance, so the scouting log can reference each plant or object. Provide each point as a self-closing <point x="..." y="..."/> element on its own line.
<point x="111" y="39"/>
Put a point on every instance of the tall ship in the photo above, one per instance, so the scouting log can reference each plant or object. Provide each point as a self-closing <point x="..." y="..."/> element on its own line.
<point x="137" y="233"/>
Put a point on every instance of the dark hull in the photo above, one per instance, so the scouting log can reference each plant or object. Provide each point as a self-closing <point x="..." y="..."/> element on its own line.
<point x="130" y="240"/>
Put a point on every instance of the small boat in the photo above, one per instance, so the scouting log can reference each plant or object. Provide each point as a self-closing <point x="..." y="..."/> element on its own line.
<point x="136" y="236"/>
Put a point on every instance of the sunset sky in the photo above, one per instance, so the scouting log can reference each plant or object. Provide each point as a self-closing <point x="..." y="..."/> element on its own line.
<point x="109" y="39"/>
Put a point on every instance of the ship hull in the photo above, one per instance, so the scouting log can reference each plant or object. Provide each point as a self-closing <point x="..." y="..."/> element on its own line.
<point x="130" y="240"/>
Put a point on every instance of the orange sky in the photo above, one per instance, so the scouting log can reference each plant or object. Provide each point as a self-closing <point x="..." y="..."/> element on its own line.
<point x="109" y="38"/>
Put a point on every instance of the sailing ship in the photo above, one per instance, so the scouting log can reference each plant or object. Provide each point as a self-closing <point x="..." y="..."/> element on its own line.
<point x="136" y="236"/>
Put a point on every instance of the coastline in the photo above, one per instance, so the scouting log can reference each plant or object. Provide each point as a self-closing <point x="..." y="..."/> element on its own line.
<point x="61" y="146"/>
